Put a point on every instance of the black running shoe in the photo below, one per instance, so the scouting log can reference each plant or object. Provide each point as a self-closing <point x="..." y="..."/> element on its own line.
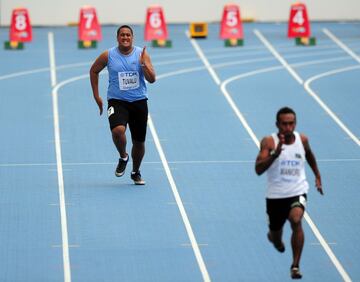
<point x="120" y="169"/>
<point x="279" y="247"/>
<point x="136" y="177"/>
<point x="295" y="272"/>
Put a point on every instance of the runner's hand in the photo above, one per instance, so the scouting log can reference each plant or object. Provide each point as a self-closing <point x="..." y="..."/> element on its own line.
<point x="99" y="102"/>
<point x="319" y="186"/>
<point x="142" y="57"/>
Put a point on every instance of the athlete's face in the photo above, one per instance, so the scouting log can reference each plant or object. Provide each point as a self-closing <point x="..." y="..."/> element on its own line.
<point x="286" y="124"/>
<point x="125" y="38"/>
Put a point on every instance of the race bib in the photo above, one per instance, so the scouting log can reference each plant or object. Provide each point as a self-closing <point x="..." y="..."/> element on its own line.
<point x="290" y="170"/>
<point x="128" y="80"/>
<point x="111" y="111"/>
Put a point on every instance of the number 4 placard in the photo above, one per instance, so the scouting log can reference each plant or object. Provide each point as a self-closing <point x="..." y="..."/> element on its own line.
<point x="20" y="27"/>
<point x="298" y="25"/>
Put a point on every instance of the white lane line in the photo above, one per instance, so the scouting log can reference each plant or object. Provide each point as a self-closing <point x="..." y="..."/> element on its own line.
<point x="215" y="66"/>
<point x="163" y="76"/>
<point x="33" y="71"/>
<point x="327" y="248"/>
<point x="204" y="59"/>
<point x="233" y="104"/>
<point x="308" y="81"/>
<point x="277" y="56"/>
<point x="21" y="73"/>
<point x="324" y="106"/>
<point x="194" y="244"/>
<point x="185" y="219"/>
<point x="84" y="76"/>
<point x="157" y="162"/>
<point x="342" y="45"/>
<point x="318" y="62"/>
<point x="52" y="58"/>
<point x="315" y="230"/>
<point x="64" y="231"/>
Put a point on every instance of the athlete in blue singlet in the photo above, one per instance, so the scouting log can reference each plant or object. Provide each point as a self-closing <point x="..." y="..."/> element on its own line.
<point x="128" y="67"/>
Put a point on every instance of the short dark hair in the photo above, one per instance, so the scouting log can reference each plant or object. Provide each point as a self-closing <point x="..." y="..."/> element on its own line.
<point x="285" y="110"/>
<point x="124" y="26"/>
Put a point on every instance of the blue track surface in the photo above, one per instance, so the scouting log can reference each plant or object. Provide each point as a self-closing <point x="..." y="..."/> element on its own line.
<point x="202" y="212"/>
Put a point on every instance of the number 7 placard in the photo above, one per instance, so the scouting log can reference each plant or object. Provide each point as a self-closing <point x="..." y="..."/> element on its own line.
<point x="89" y="27"/>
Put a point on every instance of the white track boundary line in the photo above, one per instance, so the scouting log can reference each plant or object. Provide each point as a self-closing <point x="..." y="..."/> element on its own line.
<point x="64" y="231"/>
<point x="194" y="244"/>
<point x="315" y="230"/>
<point x="313" y="227"/>
<point x="341" y="45"/>
<point x="203" y="59"/>
<point x="325" y="107"/>
<point x="277" y="56"/>
<point x="311" y="79"/>
<point x="159" y="162"/>
<point x="183" y="214"/>
<point x="53" y="74"/>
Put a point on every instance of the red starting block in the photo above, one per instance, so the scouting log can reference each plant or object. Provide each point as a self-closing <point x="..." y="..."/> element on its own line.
<point x="20" y="29"/>
<point x="155" y="27"/>
<point x="231" y="27"/>
<point x="89" y="30"/>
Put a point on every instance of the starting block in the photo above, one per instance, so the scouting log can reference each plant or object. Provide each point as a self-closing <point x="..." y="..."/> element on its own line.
<point x="86" y="44"/>
<point x="13" y="45"/>
<point x="305" y="41"/>
<point x="161" y="43"/>
<point x="198" y="30"/>
<point x="233" y="42"/>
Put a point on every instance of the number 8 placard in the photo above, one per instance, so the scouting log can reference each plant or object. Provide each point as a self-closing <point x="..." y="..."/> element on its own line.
<point x="20" y="27"/>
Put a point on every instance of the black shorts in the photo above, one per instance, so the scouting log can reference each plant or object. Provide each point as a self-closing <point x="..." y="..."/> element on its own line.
<point x="133" y="113"/>
<point x="278" y="210"/>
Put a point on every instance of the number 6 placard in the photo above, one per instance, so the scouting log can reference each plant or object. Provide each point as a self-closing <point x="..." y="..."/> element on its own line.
<point x="155" y="25"/>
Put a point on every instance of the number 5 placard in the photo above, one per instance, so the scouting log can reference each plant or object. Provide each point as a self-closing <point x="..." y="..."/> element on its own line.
<point x="231" y="27"/>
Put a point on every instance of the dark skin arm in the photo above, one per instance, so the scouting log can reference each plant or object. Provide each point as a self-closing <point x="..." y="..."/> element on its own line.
<point x="99" y="64"/>
<point x="310" y="158"/>
<point x="264" y="160"/>
<point x="147" y="67"/>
